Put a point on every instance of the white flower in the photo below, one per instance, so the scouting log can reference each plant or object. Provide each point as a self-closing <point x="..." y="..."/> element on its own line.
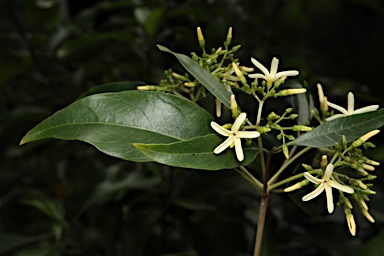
<point x="234" y="136"/>
<point x="351" y="108"/>
<point x="271" y="76"/>
<point x="325" y="184"/>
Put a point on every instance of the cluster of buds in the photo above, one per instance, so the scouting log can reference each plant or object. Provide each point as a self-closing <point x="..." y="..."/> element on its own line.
<point x="273" y="122"/>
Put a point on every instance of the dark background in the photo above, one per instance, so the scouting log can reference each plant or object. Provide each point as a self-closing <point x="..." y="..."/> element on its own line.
<point x="66" y="198"/>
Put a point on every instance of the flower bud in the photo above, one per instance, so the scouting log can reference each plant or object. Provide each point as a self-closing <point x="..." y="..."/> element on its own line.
<point x="228" y="40"/>
<point x="285" y="151"/>
<point x="324" y="161"/>
<point x="189" y="84"/>
<point x="297" y="186"/>
<point x="301" y="128"/>
<point x="200" y="38"/>
<point x="272" y="116"/>
<point x="371" y="162"/>
<point x="364" y="138"/>
<point x="288" y="92"/>
<point x="147" y="88"/>
<point x="368" y="167"/>
<point x="367" y="215"/>
<point x="307" y="167"/>
<point x="218" y="107"/>
<point x="351" y="221"/>
<point x="239" y="74"/>
<point x="263" y="129"/>
<point x="234" y="109"/>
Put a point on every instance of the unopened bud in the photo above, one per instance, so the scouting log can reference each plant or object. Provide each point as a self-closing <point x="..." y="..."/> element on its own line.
<point x="371" y="162"/>
<point x="178" y="76"/>
<point x="368" y="167"/>
<point x="297" y="186"/>
<point x="351" y="222"/>
<point x="361" y="184"/>
<point x="301" y="128"/>
<point x="367" y="215"/>
<point x="288" y="92"/>
<point x="288" y="110"/>
<point x="236" y="48"/>
<point x="200" y="37"/>
<point x="234" y="109"/>
<point x="272" y="116"/>
<point x="285" y="151"/>
<point x="307" y="167"/>
<point x="344" y="140"/>
<point x="228" y="40"/>
<point x="324" y="161"/>
<point x="218" y="107"/>
<point x="361" y="171"/>
<point x="364" y="138"/>
<point x="239" y="74"/>
<point x="347" y="202"/>
<point x="293" y="116"/>
<point x="371" y="177"/>
<point x="189" y="84"/>
<point x="147" y="88"/>
<point x="246" y="69"/>
<point x="263" y="129"/>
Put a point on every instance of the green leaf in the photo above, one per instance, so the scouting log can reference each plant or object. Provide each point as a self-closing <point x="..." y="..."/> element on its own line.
<point x="204" y="77"/>
<point x="113" y="87"/>
<point x="352" y="127"/>
<point x="197" y="153"/>
<point x="112" y="122"/>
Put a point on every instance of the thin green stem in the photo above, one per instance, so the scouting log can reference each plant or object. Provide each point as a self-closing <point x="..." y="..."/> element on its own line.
<point x="260" y="224"/>
<point x="262" y="158"/>
<point x="250" y="178"/>
<point x="286" y="164"/>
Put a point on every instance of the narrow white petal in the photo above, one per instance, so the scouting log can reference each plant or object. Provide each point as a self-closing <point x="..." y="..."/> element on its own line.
<point x="333" y="117"/>
<point x="314" y="193"/>
<point x="260" y="66"/>
<point x="320" y="92"/>
<point x="366" y="109"/>
<point x="338" y="186"/>
<point x="257" y="76"/>
<point x="312" y="179"/>
<point x="351" y="103"/>
<point x="328" y="193"/>
<point x="286" y="73"/>
<point x="328" y="172"/>
<point x="247" y="134"/>
<point x="239" y="121"/>
<point x="274" y="65"/>
<point x="223" y="146"/>
<point x="337" y="107"/>
<point x="220" y="130"/>
<point x="239" y="150"/>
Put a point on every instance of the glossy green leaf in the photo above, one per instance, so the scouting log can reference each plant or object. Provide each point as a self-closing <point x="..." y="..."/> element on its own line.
<point x="352" y="127"/>
<point x="113" y="87"/>
<point x="197" y="153"/>
<point x="206" y="78"/>
<point x="112" y="122"/>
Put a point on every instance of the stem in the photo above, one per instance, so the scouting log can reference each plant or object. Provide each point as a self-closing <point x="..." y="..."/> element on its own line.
<point x="286" y="164"/>
<point x="250" y="178"/>
<point x="260" y="224"/>
<point x="262" y="159"/>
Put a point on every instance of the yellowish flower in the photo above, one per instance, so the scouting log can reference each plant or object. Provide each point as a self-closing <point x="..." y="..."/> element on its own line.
<point x="350" y="109"/>
<point x="234" y="136"/>
<point x="272" y="75"/>
<point x="326" y="184"/>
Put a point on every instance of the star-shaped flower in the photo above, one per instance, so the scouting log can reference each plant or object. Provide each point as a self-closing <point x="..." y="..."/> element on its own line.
<point x="234" y="136"/>
<point x="273" y="75"/>
<point x="325" y="184"/>
<point x="351" y="108"/>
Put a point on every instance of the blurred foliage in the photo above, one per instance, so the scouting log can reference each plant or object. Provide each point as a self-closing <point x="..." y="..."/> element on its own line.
<point x="65" y="198"/>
